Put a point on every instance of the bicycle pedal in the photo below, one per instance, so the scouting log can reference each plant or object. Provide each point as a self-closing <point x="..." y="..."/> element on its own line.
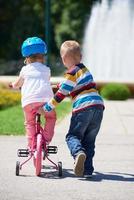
<point x="23" y="152"/>
<point x="52" y="149"/>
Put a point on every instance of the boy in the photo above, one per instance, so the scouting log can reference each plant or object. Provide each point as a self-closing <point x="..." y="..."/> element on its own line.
<point x="87" y="109"/>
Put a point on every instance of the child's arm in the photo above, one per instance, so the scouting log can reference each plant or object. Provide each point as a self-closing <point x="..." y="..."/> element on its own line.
<point x="64" y="89"/>
<point x="18" y="83"/>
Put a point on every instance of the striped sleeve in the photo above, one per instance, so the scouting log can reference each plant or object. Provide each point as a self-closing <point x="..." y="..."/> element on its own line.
<point x="64" y="90"/>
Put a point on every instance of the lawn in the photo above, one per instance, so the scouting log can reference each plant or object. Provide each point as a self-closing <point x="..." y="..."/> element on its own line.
<point x="12" y="120"/>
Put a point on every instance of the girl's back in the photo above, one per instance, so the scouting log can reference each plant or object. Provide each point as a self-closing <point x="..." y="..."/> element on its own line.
<point x="36" y="86"/>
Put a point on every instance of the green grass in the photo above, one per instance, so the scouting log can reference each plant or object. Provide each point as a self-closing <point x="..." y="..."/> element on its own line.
<point x="12" y="120"/>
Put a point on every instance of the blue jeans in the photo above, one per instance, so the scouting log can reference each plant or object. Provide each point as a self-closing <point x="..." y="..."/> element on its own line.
<point x="82" y="133"/>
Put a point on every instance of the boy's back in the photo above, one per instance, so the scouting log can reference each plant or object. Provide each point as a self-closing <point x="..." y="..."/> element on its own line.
<point x="80" y="85"/>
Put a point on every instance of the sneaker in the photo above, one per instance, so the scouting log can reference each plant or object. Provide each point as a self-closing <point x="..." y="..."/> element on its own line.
<point x="79" y="164"/>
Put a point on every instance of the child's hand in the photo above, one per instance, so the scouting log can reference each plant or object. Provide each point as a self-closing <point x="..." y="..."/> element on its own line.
<point x="58" y="85"/>
<point x="10" y="85"/>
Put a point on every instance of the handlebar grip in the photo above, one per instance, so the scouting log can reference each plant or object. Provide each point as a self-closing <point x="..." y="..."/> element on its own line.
<point x="10" y="85"/>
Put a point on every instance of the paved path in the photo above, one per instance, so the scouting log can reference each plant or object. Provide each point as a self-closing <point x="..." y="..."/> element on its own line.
<point x="114" y="164"/>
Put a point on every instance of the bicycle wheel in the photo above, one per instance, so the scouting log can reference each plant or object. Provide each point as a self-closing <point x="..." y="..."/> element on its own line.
<point x="38" y="155"/>
<point x="59" y="169"/>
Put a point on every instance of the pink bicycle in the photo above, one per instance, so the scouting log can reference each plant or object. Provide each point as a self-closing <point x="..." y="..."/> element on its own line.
<point x="39" y="152"/>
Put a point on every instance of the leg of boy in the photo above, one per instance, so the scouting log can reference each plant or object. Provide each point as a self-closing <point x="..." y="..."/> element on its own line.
<point x="78" y="126"/>
<point x="50" y="120"/>
<point x="81" y="136"/>
<point x="90" y="138"/>
<point x="76" y="132"/>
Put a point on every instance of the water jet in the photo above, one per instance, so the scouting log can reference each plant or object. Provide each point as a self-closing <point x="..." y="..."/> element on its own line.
<point x="108" y="43"/>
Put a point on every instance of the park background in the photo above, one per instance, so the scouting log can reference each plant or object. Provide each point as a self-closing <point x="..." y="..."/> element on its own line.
<point x="104" y="28"/>
<point x="53" y="21"/>
<point x="114" y="161"/>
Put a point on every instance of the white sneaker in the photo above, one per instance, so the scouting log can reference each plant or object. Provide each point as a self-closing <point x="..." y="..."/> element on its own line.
<point x="79" y="164"/>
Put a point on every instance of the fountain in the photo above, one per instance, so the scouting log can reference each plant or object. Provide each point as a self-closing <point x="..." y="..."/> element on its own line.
<point x="108" y="44"/>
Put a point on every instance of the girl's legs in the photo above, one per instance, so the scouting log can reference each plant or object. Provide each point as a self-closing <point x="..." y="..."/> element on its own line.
<point x="50" y="118"/>
<point x="30" y="114"/>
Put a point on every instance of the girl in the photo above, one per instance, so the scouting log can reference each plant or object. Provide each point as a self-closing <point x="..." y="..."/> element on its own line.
<point x="34" y="80"/>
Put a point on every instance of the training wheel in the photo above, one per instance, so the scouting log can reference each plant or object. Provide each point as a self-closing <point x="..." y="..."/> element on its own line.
<point x="59" y="169"/>
<point x="17" y="168"/>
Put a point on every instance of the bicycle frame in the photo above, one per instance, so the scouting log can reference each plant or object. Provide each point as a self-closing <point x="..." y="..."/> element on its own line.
<point x="45" y="149"/>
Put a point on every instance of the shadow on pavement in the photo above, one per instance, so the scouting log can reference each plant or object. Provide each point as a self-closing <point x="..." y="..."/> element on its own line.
<point x="111" y="176"/>
<point x="97" y="176"/>
<point x="54" y="174"/>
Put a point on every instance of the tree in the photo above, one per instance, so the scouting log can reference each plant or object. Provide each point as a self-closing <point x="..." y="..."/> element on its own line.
<point x="69" y="18"/>
<point x="25" y="18"/>
<point x="19" y="20"/>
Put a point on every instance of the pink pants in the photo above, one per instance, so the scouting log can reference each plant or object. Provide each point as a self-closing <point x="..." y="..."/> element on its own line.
<point x="50" y="118"/>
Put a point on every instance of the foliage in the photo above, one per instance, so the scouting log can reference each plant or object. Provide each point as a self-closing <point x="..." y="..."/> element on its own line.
<point x="69" y="18"/>
<point x="8" y="98"/>
<point x="25" y="18"/>
<point x="12" y="121"/>
<point x="18" y="20"/>
<point x="62" y="109"/>
<point x="115" y="91"/>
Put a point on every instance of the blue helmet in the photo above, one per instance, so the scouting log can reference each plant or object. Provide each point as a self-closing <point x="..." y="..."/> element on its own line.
<point x="33" y="45"/>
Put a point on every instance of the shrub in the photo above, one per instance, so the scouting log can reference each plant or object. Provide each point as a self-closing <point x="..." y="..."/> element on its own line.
<point x="3" y="86"/>
<point x="115" y="91"/>
<point x="8" y="98"/>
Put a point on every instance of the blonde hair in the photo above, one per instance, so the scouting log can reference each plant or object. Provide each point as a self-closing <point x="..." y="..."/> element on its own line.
<point x="71" y="48"/>
<point x="34" y="58"/>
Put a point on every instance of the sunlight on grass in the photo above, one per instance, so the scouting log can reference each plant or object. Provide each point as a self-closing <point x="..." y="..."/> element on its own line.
<point x="12" y="120"/>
